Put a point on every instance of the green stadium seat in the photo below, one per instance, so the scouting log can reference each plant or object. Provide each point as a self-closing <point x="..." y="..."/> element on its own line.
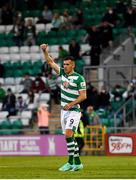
<point x="53" y="41"/>
<point x="41" y="34"/>
<point x="5" y="127"/>
<point x="26" y="64"/>
<point x="61" y="33"/>
<point x="79" y="65"/>
<point x="52" y="34"/>
<point x="17" y="126"/>
<point x="58" y="131"/>
<point x="3" y="43"/>
<point x="103" y="113"/>
<point x="36" y="71"/>
<point x="109" y="131"/>
<point x="64" y="40"/>
<point x="2" y="36"/>
<point x="18" y="73"/>
<point x="16" y="65"/>
<point x="105" y="122"/>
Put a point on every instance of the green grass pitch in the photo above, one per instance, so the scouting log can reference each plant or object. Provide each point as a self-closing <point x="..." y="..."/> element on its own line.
<point x="101" y="167"/>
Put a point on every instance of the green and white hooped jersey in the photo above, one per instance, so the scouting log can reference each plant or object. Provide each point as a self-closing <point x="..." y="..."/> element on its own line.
<point x="70" y="87"/>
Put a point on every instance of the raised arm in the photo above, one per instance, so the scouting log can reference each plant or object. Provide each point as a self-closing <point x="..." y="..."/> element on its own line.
<point x="49" y="59"/>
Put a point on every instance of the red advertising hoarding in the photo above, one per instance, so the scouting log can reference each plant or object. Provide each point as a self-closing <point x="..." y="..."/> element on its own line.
<point x="120" y="144"/>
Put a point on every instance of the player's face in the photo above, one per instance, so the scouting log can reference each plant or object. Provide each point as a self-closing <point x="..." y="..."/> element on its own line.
<point x="68" y="66"/>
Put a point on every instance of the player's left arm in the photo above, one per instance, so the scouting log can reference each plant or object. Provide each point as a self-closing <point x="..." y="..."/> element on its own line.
<point x="80" y="98"/>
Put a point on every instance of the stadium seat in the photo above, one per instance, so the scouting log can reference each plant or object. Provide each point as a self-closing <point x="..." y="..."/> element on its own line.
<point x="55" y="54"/>
<point x="3" y="114"/>
<point x="34" y="49"/>
<point x="40" y="27"/>
<point x="48" y="27"/>
<point x="8" y="28"/>
<point x="87" y="60"/>
<point x="44" y="97"/>
<point x="35" y="57"/>
<point x="16" y="64"/>
<point x="24" y="49"/>
<point x="31" y="106"/>
<point x="2" y="28"/>
<point x="19" y="88"/>
<point x="0" y="106"/>
<point x="63" y="40"/>
<point x="2" y="37"/>
<point x="4" y="50"/>
<point x="17" y="126"/>
<point x="6" y="127"/>
<point x="4" y="57"/>
<point x="54" y="48"/>
<point x="53" y="34"/>
<point x="26" y="117"/>
<point x="85" y="47"/>
<point x="36" y="99"/>
<point x="35" y="71"/>
<point x="105" y="122"/>
<point x="37" y="64"/>
<point x="26" y="64"/>
<point x="66" y="46"/>
<point x="18" y="80"/>
<point x="25" y="57"/>
<point x="14" y="118"/>
<point x="14" y="49"/>
<point x="58" y="131"/>
<point x="26" y="114"/>
<point x="2" y="42"/>
<point x="2" y="81"/>
<point x="60" y="34"/>
<point x="9" y="81"/>
<point x="15" y="57"/>
<point x="18" y="73"/>
<point x="41" y="34"/>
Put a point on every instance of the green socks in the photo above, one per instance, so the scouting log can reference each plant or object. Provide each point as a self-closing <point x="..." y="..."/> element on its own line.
<point x="76" y="155"/>
<point x="71" y="149"/>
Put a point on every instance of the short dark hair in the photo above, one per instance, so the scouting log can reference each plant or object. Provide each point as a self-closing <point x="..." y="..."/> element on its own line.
<point x="69" y="58"/>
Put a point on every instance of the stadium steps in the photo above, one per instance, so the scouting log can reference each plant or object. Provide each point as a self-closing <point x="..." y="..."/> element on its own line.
<point x="54" y="119"/>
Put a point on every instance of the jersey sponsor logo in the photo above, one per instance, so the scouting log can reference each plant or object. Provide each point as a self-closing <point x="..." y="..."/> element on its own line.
<point x="83" y="84"/>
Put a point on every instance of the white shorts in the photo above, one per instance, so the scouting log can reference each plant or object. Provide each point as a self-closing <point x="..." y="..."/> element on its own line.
<point x="70" y="120"/>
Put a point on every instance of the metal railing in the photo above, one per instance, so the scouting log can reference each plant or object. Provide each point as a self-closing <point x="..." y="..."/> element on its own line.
<point x="105" y="74"/>
<point x="127" y="112"/>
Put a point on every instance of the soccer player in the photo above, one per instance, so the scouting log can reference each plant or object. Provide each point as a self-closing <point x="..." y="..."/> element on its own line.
<point x="73" y="92"/>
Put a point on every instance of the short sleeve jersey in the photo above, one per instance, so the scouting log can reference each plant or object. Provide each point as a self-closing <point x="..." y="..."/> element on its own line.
<point x="71" y="85"/>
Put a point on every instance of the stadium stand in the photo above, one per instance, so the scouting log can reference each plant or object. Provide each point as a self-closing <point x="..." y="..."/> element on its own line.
<point x="18" y="60"/>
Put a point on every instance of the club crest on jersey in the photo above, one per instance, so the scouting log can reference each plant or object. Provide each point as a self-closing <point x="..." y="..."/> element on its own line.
<point x="65" y="84"/>
<point x="83" y="84"/>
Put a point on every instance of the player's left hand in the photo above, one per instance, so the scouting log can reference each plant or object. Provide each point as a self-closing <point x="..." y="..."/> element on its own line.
<point x="68" y="106"/>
